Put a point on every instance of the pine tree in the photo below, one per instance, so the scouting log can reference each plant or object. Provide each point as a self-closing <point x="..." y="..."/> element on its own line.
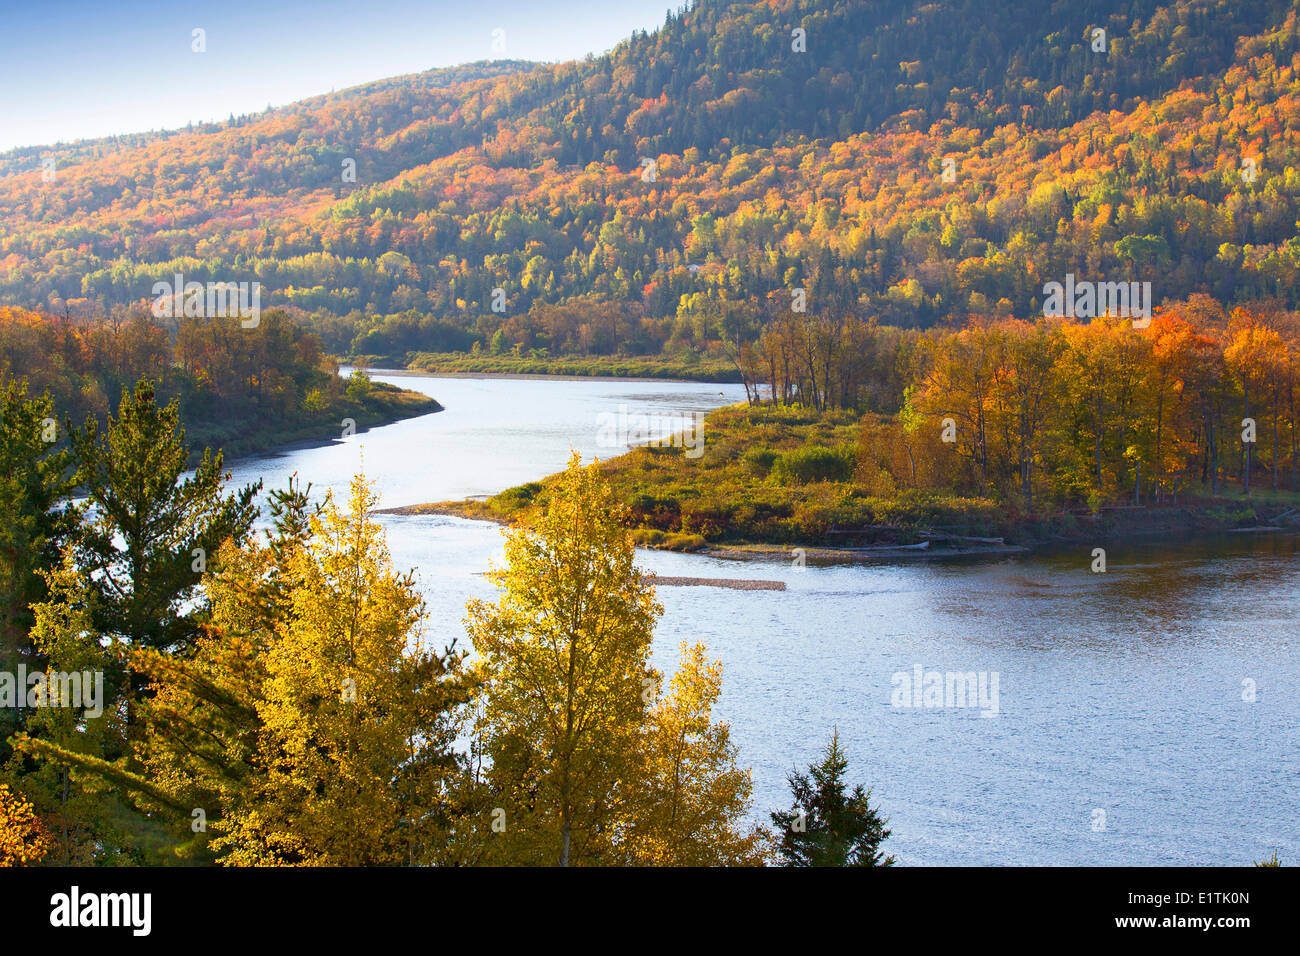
<point x="827" y="826"/>
<point x="168" y="527"/>
<point x="35" y="478"/>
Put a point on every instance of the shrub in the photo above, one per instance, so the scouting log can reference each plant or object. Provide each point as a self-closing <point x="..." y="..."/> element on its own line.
<point x="814" y="463"/>
<point x="358" y="385"/>
<point x="667" y="540"/>
<point x="759" y="460"/>
<point x="519" y="496"/>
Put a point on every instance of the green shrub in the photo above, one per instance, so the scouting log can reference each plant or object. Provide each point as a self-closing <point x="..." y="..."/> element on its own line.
<point x="759" y="460"/>
<point x="814" y="463"/>
<point x="518" y="497"/>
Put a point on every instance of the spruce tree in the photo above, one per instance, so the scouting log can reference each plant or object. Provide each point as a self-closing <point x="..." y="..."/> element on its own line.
<point x="828" y="826"/>
<point x="149" y="532"/>
<point x="35" y="478"/>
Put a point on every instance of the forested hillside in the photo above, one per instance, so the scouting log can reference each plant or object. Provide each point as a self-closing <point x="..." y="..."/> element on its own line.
<point x="794" y="145"/>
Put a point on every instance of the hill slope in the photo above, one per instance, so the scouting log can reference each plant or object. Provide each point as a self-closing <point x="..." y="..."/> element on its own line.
<point x="774" y="168"/>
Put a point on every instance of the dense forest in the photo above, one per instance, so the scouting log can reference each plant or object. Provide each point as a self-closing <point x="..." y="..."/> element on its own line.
<point x="911" y="162"/>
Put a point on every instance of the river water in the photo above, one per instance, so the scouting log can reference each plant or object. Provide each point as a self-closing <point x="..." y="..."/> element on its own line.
<point x="1149" y="715"/>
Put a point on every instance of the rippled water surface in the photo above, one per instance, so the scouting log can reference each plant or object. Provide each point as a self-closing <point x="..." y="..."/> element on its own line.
<point x="1119" y="695"/>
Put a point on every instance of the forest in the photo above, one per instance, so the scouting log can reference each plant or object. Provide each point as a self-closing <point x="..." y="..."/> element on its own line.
<point x="242" y="390"/>
<point x="913" y="162"/>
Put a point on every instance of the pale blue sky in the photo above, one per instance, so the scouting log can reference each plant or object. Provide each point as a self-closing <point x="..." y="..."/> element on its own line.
<point x="74" y="69"/>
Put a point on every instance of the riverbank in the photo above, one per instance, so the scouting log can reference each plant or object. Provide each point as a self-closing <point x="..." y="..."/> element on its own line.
<point x="781" y="483"/>
<point x="595" y="367"/>
<point x="1045" y="533"/>
<point x="383" y="405"/>
<point x="514" y="376"/>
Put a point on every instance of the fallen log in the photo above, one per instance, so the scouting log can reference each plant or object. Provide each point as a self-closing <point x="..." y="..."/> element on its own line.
<point x="945" y="536"/>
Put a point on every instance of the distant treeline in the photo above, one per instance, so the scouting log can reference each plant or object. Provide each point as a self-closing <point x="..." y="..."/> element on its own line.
<point x="1055" y="411"/>
<point x="242" y="389"/>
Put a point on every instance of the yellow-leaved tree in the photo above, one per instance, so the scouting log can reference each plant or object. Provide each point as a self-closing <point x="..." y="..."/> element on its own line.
<point x="693" y="807"/>
<point x="584" y="766"/>
<point x="24" y="839"/>
<point x="357" y="717"/>
<point x="566" y="651"/>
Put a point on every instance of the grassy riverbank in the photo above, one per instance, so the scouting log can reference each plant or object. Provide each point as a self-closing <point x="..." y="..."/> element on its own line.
<point x="775" y="478"/>
<point x="381" y="405"/>
<point x="435" y="363"/>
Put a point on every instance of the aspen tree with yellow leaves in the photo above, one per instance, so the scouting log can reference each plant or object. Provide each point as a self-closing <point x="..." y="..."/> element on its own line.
<point x="566" y="649"/>
<point x="356" y="715"/>
<point x="588" y="765"/>
<point x="693" y="807"/>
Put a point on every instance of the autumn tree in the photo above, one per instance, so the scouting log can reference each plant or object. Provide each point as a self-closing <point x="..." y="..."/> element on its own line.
<point x="202" y="721"/>
<point x="24" y="839"/>
<point x="693" y="808"/>
<point x="566" y="652"/>
<point x="355" y="715"/>
<point x="70" y="749"/>
<point x="1256" y="356"/>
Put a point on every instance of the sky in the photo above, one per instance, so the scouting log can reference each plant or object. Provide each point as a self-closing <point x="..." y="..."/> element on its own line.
<point x="77" y="69"/>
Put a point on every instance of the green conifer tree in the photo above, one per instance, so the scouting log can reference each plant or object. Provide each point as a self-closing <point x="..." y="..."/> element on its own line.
<point x="827" y="825"/>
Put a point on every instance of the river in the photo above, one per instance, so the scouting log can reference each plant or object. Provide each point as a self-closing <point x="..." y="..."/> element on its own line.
<point x="1124" y="731"/>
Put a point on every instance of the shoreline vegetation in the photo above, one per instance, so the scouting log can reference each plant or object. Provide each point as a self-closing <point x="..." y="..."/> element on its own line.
<point x="383" y="404"/>
<point x="244" y="391"/>
<point x="675" y="503"/>
<point x="690" y="368"/>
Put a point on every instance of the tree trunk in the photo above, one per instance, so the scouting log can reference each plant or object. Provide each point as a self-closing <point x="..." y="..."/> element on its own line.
<point x="1275" y="448"/>
<point x="1245" y="475"/>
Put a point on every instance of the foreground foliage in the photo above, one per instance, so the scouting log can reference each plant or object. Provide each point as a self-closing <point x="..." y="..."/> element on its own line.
<point x="589" y="767"/>
<point x="830" y="825"/>
<point x="289" y="712"/>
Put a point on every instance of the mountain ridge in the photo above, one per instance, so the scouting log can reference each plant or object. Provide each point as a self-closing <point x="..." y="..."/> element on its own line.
<point x="495" y="183"/>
